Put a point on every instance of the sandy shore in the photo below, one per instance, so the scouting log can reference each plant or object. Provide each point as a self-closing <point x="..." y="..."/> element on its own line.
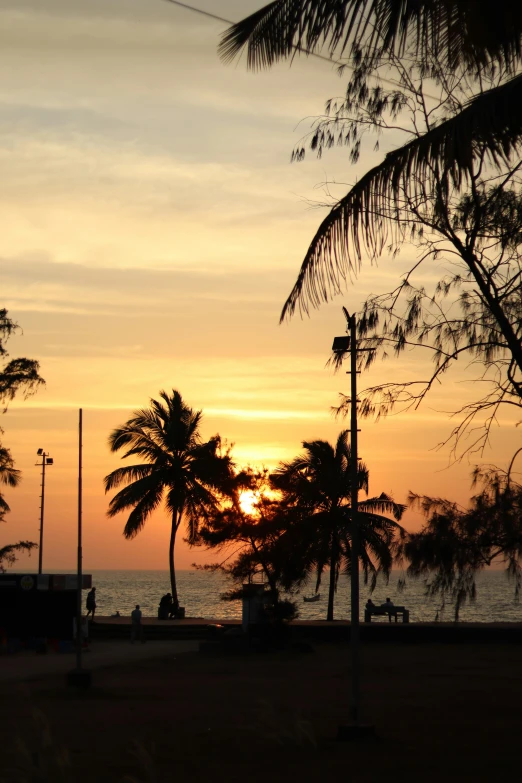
<point x="442" y="713"/>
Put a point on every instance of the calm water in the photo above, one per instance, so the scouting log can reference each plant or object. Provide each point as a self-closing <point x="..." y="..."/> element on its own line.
<point x="199" y="592"/>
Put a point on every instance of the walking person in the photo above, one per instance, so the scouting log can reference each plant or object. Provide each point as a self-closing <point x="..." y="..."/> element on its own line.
<point x="136" y="626"/>
<point x="91" y="603"/>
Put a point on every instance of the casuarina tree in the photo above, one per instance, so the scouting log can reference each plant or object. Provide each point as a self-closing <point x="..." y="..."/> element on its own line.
<point x="437" y="81"/>
<point x="17" y="376"/>
<point x="456" y="543"/>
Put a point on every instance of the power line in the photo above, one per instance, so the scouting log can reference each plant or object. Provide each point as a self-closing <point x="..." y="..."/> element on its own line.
<point x="229" y="21"/>
<point x="200" y="11"/>
<point x="329" y="60"/>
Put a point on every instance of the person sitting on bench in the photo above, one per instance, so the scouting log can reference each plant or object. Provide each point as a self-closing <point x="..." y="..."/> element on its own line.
<point x="165" y="607"/>
<point x="390" y="608"/>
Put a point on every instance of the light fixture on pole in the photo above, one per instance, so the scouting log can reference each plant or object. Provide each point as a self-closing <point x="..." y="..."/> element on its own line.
<point x="341" y="346"/>
<point x="46" y="460"/>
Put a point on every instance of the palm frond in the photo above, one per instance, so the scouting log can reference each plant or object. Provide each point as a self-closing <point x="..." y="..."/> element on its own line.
<point x="383" y="504"/>
<point x="8" y="473"/>
<point x="132" y="495"/>
<point x="139" y="432"/>
<point x="442" y="156"/>
<point x="4" y="507"/>
<point x="178" y="423"/>
<point x="126" y="475"/>
<point x="472" y="32"/>
<point x="142" y="511"/>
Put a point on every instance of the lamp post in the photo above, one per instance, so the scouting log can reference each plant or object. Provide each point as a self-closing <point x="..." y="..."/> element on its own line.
<point x="46" y="460"/>
<point x="342" y="345"/>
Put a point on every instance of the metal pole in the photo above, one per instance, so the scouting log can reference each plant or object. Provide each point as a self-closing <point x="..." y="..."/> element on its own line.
<point x="79" y="634"/>
<point x="354" y="629"/>
<point x="40" y="551"/>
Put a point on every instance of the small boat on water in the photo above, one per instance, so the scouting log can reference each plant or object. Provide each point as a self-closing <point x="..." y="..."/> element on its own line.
<point x="312" y="598"/>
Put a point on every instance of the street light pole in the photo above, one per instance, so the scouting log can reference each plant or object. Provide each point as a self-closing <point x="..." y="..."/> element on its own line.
<point x="46" y="460"/>
<point x="354" y="625"/>
<point x="341" y="346"/>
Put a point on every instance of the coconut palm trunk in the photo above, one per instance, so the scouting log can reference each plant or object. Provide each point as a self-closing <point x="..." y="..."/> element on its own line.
<point x="172" y="544"/>
<point x="333" y="579"/>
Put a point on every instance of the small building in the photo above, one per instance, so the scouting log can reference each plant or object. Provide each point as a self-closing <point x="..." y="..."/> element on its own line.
<point x="36" y="608"/>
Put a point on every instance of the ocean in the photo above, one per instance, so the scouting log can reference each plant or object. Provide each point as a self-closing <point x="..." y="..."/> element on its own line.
<point x="199" y="593"/>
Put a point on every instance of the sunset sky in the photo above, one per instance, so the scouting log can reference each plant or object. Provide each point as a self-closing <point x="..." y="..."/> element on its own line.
<point x="152" y="228"/>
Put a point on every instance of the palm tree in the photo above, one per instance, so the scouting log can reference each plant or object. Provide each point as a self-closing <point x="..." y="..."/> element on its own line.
<point x="466" y="34"/>
<point x="189" y="474"/>
<point x="319" y="483"/>
<point x="9" y="476"/>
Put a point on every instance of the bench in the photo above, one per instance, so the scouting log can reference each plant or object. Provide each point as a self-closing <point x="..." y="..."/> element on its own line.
<point x="377" y="611"/>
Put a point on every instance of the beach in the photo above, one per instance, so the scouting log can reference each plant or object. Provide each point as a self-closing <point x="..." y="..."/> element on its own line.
<point x="441" y="711"/>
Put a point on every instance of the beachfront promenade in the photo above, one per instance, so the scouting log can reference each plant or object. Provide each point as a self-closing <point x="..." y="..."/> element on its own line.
<point x="315" y="630"/>
<point x="110" y="645"/>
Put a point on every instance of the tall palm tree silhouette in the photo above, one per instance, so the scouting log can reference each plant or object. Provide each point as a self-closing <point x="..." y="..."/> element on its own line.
<point x="189" y="474"/>
<point x="318" y="481"/>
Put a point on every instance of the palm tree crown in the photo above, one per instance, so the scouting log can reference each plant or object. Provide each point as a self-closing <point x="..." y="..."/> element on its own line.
<point x="473" y="32"/>
<point x="318" y="482"/>
<point x="469" y="35"/>
<point x="190" y="475"/>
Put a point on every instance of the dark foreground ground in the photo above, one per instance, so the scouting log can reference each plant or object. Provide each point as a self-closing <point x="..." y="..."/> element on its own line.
<point x="442" y="713"/>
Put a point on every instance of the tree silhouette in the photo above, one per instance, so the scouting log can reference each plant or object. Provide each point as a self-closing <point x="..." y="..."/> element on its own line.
<point x="263" y="541"/>
<point x="456" y="543"/>
<point x="17" y="376"/>
<point x="190" y="475"/>
<point x="465" y="36"/>
<point x="427" y="71"/>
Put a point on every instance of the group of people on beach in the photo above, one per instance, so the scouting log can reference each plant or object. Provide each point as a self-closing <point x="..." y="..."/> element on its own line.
<point x="136" y="626"/>
<point x="168" y="609"/>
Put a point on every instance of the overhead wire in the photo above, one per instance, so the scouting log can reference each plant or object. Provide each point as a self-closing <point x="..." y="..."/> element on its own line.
<point x="329" y="60"/>
<point x="229" y="21"/>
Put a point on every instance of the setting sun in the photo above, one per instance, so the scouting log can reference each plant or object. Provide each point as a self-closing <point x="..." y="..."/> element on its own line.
<point x="248" y="502"/>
